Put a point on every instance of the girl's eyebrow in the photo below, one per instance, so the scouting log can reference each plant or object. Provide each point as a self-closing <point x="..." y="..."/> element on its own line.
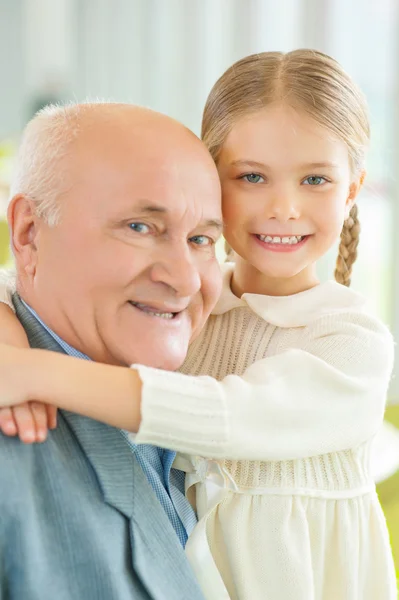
<point x="248" y="163"/>
<point x="259" y="165"/>
<point x="320" y="165"/>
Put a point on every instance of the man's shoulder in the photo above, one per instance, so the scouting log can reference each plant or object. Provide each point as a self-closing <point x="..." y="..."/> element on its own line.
<point x="43" y="482"/>
<point x="21" y="462"/>
<point x="38" y="472"/>
<point x="14" y="455"/>
<point x="19" y="465"/>
<point x="13" y="452"/>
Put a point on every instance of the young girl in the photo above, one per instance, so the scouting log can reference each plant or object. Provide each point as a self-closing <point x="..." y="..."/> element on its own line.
<point x="288" y="380"/>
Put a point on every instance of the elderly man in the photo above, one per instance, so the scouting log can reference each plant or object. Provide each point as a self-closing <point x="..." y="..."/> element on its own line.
<point x="110" y="205"/>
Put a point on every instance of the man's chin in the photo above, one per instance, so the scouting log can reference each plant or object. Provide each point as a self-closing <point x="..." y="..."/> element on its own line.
<point x="159" y="358"/>
<point x="165" y="365"/>
<point x="153" y="341"/>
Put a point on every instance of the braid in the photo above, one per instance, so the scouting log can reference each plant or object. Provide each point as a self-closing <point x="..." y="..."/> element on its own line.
<point x="347" y="252"/>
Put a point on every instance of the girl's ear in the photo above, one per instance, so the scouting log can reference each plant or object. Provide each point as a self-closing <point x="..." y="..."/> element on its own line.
<point x="354" y="190"/>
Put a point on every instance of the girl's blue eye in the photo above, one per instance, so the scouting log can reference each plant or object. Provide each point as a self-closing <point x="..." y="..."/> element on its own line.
<point x="314" y="180"/>
<point x="202" y="240"/>
<point x="253" y="178"/>
<point x="139" y="227"/>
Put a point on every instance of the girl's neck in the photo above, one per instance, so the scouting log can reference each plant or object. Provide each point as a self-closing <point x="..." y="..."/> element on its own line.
<point x="248" y="280"/>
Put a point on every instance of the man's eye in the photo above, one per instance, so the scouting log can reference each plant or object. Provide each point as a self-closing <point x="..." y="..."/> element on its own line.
<point x="202" y="240"/>
<point x="253" y="178"/>
<point x="314" y="180"/>
<point x="139" y="227"/>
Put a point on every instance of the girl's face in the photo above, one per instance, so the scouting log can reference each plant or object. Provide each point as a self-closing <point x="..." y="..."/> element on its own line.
<point x="287" y="189"/>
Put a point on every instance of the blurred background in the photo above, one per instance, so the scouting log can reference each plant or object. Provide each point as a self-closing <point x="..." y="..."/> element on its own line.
<point x="167" y="54"/>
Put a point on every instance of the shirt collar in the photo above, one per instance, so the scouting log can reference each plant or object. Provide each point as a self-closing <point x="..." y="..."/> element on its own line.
<point x="297" y="310"/>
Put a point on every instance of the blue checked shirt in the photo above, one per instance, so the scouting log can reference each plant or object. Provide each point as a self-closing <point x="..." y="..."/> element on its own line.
<point x="167" y="483"/>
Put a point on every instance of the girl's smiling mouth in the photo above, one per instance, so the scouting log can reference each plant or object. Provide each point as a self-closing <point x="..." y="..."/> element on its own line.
<point x="277" y="243"/>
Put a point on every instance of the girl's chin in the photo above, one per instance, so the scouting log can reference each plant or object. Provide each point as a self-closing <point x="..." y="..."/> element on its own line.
<point x="278" y="271"/>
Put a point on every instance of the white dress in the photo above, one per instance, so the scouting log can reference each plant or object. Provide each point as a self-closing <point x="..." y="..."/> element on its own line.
<point x="301" y="519"/>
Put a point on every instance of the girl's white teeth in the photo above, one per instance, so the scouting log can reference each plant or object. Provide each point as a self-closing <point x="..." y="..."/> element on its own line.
<point x="293" y="239"/>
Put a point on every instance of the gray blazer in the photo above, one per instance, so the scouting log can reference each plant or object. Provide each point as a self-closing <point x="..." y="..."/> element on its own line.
<point x="78" y="518"/>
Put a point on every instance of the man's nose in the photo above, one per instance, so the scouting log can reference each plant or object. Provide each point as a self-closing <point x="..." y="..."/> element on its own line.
<point x="178" y="270"/>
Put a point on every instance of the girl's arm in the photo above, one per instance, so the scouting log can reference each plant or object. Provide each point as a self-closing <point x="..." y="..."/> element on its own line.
<point x="30" y="421"/>
<point x="102" y="392"/>
<point x="327" y="395"/>
<point x="11" y="330"/>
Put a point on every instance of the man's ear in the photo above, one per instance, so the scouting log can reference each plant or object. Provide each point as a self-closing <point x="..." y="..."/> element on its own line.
<point x="23" y="222"/>
<point x="354" y="190"/>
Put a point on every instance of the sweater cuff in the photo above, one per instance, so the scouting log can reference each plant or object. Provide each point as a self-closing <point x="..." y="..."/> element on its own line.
<point x="182" y="413"/>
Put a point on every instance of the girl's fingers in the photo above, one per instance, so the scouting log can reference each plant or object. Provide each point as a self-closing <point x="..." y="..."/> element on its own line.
<point x="26" y="423"/>
<point x="51" y="416"/>
<point x="7" y="422"/>
<point x="30" y="421"/>
<point x="40" y="415"/>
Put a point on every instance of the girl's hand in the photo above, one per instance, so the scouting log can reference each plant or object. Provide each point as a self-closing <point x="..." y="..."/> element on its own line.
<point x="30" y="421"/>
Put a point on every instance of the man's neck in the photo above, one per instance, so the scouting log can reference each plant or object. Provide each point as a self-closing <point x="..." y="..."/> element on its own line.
<point x="66" y="347"/>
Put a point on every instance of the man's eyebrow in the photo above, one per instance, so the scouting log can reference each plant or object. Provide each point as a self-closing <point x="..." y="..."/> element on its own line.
<point x="151" y="208"/>
<point x="215" y="223"/>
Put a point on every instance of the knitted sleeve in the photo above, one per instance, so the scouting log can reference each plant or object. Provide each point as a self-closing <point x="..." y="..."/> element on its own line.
<point x="326" y="394"/>
<point x="7" y="286"/>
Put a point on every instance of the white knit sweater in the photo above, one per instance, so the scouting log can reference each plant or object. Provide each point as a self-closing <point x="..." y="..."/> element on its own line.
<point x="290" y="392"/>
<point x="282" y="378"/>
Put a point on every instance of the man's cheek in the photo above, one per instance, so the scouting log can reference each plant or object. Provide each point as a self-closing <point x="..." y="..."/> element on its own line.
<point x="215" y="284"/>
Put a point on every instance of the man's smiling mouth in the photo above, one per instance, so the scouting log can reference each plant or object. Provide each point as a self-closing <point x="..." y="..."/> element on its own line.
<point x="153" y="311"/>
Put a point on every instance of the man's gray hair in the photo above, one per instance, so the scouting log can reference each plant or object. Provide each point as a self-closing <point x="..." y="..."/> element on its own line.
<point x="40" y="171"/>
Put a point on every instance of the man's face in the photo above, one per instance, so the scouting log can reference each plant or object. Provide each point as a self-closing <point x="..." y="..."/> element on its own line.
<point x="129" y="273"/>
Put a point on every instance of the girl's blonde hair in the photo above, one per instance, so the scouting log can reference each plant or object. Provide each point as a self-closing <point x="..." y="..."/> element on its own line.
<point x="311" y="82"/>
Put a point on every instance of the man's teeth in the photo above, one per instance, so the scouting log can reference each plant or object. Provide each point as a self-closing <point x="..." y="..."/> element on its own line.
<point x="151" y="311"/>
<point x="293" y="239"/>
